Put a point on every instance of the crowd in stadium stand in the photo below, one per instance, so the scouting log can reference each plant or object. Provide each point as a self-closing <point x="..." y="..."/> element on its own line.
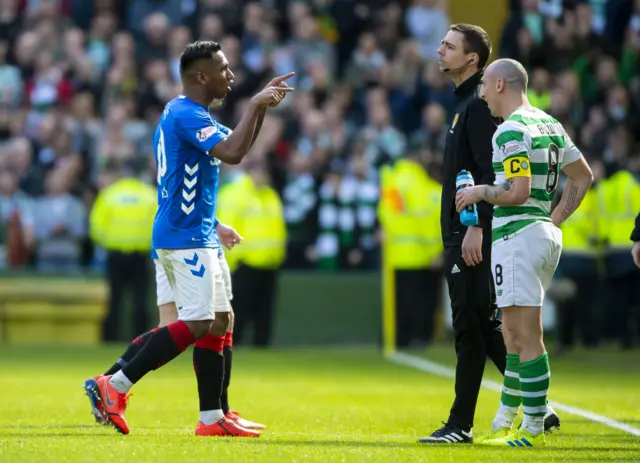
<point x="82" y="84"/>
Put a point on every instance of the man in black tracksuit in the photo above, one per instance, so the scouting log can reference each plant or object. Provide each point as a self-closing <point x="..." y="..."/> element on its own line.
<point x="464" y="54"/>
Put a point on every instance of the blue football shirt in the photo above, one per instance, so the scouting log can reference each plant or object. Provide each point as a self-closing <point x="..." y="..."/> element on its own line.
<point x="187" y="176"/>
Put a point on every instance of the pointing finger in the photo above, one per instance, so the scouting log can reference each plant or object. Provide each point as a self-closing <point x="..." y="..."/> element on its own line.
<point x="279" y="79"/>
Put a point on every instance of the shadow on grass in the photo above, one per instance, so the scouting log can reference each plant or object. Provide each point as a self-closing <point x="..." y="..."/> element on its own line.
<point x="30" y="435"/>
<point x="427" y="447"/>
<point x="45" y="427"/>
<point x="630" y="443"/>
<point x="30" y="431"/>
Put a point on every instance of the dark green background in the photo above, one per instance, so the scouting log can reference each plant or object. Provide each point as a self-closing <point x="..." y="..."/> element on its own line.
<point x="313" y="308"/>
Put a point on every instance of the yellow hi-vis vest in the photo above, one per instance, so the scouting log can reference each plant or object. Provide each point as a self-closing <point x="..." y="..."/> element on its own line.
<point x="580" y="230"/>
<point x="257" y="215"/>
<point x="409" y="212"/>
<point x="122" y="216"/>
<point x="618" y="204"/>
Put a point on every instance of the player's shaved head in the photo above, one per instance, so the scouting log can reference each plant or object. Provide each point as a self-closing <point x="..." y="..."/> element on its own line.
<point x="504" y="87"/>
<point x="511" y="72"/>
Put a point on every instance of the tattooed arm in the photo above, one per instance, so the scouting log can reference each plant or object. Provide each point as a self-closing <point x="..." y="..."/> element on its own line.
<point x="513" y="192"/>
<point x="579" y="181"/>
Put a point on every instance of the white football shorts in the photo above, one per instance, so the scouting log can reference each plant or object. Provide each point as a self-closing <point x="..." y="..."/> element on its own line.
<point x="523" y="265"/>
<point x="197" y="280"/>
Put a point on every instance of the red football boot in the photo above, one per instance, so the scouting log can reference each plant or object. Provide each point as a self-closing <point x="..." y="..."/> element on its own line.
<point x="224" y="427"/>
<point x="114" y="403"/>
<point x="235" y="417"/>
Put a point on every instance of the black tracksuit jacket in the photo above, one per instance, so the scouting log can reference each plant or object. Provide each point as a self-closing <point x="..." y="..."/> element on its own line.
<point x="469" y="147"/>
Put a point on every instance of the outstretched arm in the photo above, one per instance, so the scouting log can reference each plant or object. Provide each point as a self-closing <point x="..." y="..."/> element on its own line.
<point x="277" y="82"/>
<point x="235" y="147"/>
<point x="256" y="131"/>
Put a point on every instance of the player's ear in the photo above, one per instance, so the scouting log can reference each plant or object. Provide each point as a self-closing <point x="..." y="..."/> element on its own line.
<point x="201" y="78"/>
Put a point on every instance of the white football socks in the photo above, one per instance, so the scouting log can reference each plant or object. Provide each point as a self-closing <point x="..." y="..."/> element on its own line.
<point x="120" y="382"/>
<point x="504" y="417"/>
<point x="211" y="416"/>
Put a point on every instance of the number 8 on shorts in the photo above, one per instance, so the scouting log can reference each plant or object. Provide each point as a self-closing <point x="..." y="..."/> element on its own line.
<point x="524" y="264"/>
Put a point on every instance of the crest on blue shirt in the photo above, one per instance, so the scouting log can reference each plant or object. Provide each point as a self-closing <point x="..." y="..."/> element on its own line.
<point x="205" y="133"/>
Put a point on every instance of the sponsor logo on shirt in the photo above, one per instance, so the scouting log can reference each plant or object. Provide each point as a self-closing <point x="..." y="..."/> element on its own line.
<point x="512" y="147"/>
<point x="206" y="133"/>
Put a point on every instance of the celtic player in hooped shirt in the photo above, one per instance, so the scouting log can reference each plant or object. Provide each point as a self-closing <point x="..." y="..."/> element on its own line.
<point x="189" y="147"/>
<point x="530" y="149"/>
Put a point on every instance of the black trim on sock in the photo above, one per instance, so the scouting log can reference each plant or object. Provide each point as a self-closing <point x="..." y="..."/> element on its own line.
<point x="132" y="350"/>
<point x="209" y="368"/>
<point x="116" y="367"/>
<point x="224" y="398"/>
<point x="157" y="351"/>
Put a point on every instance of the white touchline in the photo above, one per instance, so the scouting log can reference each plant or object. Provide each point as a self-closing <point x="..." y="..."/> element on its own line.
<point x="437" y="369"/>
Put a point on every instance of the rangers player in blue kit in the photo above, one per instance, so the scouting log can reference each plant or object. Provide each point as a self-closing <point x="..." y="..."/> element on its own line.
<point x="189" y="148"/>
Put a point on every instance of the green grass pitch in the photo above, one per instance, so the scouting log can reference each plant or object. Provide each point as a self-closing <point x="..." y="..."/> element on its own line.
<point x="320" y="405"/>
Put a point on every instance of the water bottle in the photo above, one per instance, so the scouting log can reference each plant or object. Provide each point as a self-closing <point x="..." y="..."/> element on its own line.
<point x="469" y="215"/>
